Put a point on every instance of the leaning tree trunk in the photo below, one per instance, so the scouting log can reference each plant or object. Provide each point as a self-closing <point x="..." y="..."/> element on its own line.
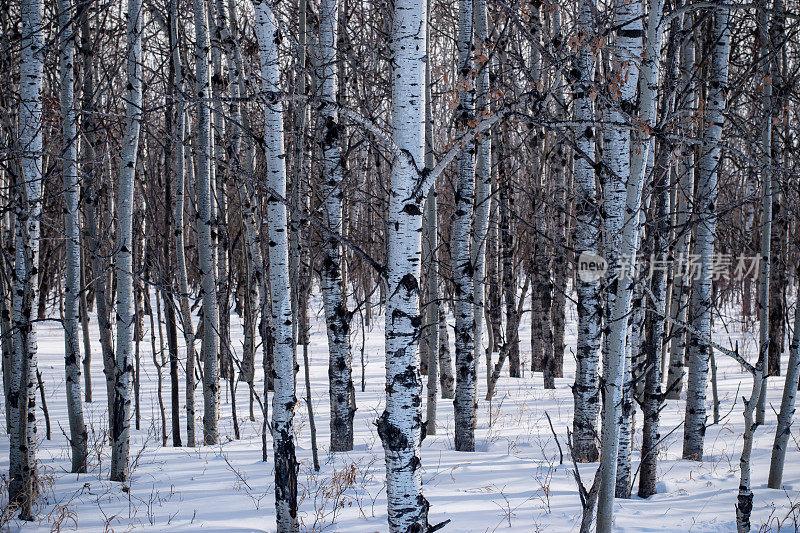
<point x="585" y="391"/>
<point x="641" y="167"/>
<point x="283" y="401"/>
<point x="72" y="283"/>
<point x="204" y="222"/>
<point x="120" y="430"/>
<point x="399" y="426"/>
<point x="705" y="214"/>
<point x="22" y="396"/>
<point x="627" y="51"/>
<point x="744" y="503"/>
<point x="465" y="401"/>
<point x="337" y="316"/>
<point x="787" y="407"/>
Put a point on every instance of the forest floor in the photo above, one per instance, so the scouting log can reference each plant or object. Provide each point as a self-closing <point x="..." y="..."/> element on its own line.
<point x="513" y="482"/>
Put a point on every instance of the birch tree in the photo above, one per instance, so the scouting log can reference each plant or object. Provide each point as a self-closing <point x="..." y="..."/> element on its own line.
<point x="787" y="408"/>
<point x="179" y="190"/>
<point x="204" y="222"/>
<point x="124" y="247"/>
<point x="446" y="379"/>
<point x="430" y="245"/>
<point x="400" y="424"/>
<point x="92" y="175"/>
<point x="765" y="161"/>
<point x="483" y="177"/>
<point x="652" y="397"/>
<point x="510" y="346"/>
<point x="641" y="166"/>
<point x="22" y="395"/>
<point x="625" y="71"/>
<point x="72" y="284"/>
<point x="257" y="298"/>
<point x="680" y="284"/>
<point x="283" y="401"/>
<point x="585" y="391"/>
<point x="337" y="316"/>
<point x="465" y="401"/>
<point x="705" y="213"/>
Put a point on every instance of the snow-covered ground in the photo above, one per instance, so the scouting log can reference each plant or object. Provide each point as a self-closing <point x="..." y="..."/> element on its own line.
<point x="513" y="482"/>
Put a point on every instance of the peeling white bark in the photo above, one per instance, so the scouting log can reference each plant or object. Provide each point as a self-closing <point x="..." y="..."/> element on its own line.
<point x="400" y="425"/>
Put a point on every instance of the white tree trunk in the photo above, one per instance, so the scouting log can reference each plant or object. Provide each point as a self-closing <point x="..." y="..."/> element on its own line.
<point x="399" y="426"/>
<point x="283" y="401"/>
<point x="510" y="348"/>
<point x="651" y="364"/>
<point x="124" y="247"/>
<point x="430" y="245"/>
<point x="205" y="247"/>
<point x="465" y="401"/>
<point x="705" y="214"/>
<point x="446" y="379"/>
<point x="337" y="316"/>
<point x="652" y="400"/>
<point x="72" y="283"/>
<point x="641" y="167"/>
<point x="787" y="408"/>
<point x="744" y="504"/>
<point x="622" y="204"/>
<point x="431" y="307"/>
<point x="560" y="229"/>
<point x="587" y="236"/>
<point x="483" y="177"/>
<point x="91" y="170"/>
<point x="765" y="161"/>
<point x="179" y="187"/>
<point x="220" y="169"/>
<point x="22" y="398"/>
<point x="680" y="284"/>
